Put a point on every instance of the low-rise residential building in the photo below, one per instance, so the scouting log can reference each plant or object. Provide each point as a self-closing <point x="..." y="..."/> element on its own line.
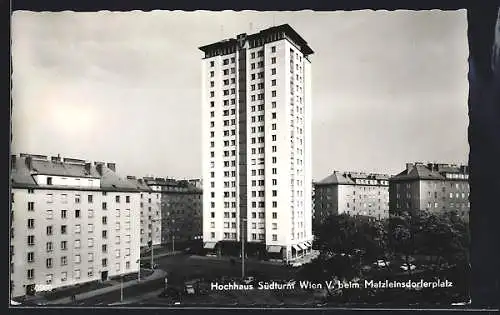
<point x="432" y="187"/>
<point x="353" y="193"/>
<point x="71" y="222"/>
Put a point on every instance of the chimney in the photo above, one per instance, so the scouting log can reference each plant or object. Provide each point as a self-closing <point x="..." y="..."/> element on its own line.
<point x="13" y="158"/>
<point x="99" y="168"/>
<point x="87" y="167"/>
<point x="112" y="166"/>
<point x="29" y="162"/>
<point x="409" y="166"/>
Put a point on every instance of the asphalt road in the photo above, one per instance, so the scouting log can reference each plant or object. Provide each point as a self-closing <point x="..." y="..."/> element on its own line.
<point x="184" y="267"/>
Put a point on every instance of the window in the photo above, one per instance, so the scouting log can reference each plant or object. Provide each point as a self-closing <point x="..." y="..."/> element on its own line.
<point x="104" y="220"/>
<point x="90" y="228"/>
<point x="104" y="206"/>
<point x="77" y="199"/>
<point x="64" y="245"/>
<point x="77" y="274"/>
<point x="91" y="257"/>
<point x="31" y="257"/>
<point x="90" y="198"/>
<point x="48" y="263"/>
<point x="273" y="49"/>
<point x="64" y="260"/>
<point x="48" y="246"/>
<point x="117" y="239"/>
<point x="90" y="272"/>
<point x="104" y="248"/>
<point x="31" y="223"/>
<point x="48" y="279"/>
<point x="30" y="274"/>
<point x="31" y="240"/>
<point x="63" y="229"/>
<point x="275" y="237"/>
<point x="104" y="234"/>
<point x="104" y="262"/>
<point x="273" y="60"/>
<point x="77" y="243"/>
<point x="275" y="215"/>
<point x="77" y="259"/>
<point x="273" y="72"/>
<point x="90" y="213"/>
<point x="49" y="180"/>
<point x="127" y="264"/>
<point x="77" y="213"/>
<point x="31" y="206"/>
<point x="64" y="214"/>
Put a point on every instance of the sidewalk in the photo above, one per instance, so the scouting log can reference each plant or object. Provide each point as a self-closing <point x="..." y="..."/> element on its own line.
<point x="157" y="274"/>
<point x="160" y="253"/>
<point x="143" y="297"/>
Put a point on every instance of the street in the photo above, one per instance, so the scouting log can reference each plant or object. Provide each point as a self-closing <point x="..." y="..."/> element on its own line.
<point x="183" y="267"/>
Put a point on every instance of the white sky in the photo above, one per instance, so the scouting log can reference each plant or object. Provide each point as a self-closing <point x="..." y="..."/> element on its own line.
<point x="388" y="87"/>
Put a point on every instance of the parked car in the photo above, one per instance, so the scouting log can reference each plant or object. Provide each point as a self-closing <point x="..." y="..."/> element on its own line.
<point x="381" y="263"/>
<point x="296" y="264"/>
<point x="248" y="280"/>
<point x="407" y="267"/>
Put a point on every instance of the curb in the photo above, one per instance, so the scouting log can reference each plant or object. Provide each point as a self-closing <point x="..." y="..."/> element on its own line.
<point x="157" y="274"/>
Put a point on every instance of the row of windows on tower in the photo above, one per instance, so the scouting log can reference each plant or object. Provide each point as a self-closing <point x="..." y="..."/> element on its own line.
<point x="224" y="72"/>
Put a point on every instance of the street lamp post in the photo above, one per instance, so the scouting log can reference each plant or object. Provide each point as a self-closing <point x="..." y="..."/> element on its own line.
<point x="121" y="290"/>
<point x="152" y="245"/>
<point x="139" y="274"/>
<point x="242" y="237"/>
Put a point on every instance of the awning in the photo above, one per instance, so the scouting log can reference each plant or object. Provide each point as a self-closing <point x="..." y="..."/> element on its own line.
<point x="296" y="247"/>
<point x="210" y="245"/>
<point x="302" y="246"/>
<point x="274" y="249"/>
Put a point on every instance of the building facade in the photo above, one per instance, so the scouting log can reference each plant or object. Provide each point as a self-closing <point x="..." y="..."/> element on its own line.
<point x="150" y="206"/>
<point x="431" y="187"/>
<point x="352" y="193"/>
<point x="256" y="139"/>
<point x="181" y="211"/>
<point x="71" y="222"/>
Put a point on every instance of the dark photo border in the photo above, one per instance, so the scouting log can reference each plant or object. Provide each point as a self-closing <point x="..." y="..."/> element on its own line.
<point x="483" y="130"/>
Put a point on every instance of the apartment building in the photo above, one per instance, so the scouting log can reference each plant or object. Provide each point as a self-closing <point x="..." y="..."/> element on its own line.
<point x="354" y="193"/>
<point x="150" y="205"/>
<point x="256" y="120"/>
<point x="434" y="187"/>
<point x="71" y="222"/>
<point x="181" y="211"/>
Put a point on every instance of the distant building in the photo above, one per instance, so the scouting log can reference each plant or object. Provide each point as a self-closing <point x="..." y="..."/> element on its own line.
<point x="352" y="193"/>
<point x="71" y="222"/>
<point x="181" y="210"/>
<point x="432" y="187"/>
<point x="150" y="211"/>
